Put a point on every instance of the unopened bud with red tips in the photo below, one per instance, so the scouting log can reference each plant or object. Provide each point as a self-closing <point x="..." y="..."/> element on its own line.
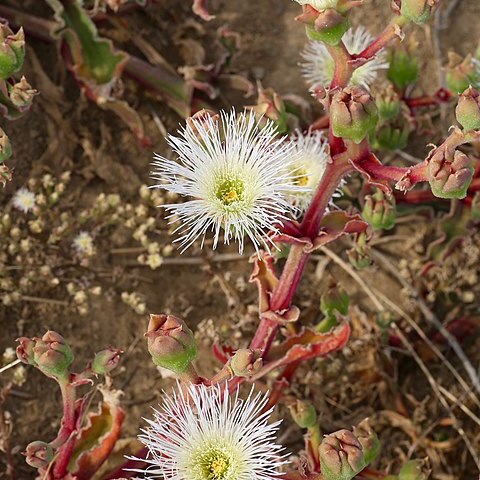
<point x="106" y="360"/>
<point x="38" y="454"/>
<point x="468" y="109"/>
<point x="325" y="25"/>
<point x="418" y="11"/>
<point x="12" y="51"/>
<point x="403" y="64"/>
<point x="353" y="113"/>
<point x="368" y="440"/>
<point x="21" y="94"/>
<point x="170" y="343"/>
<point x="25" y="350"/>
<point x="270" y="105"/>
<point x="379" y="211"/>
<point x="335" y="299"/>
<point x="461" y="72"/>
<point x="412" y="470"/>
<point x="341" y="456"/>
<point x="52" y="356"/>
<point x="303" y="414"/>
<point x="5" y="147"/>
<point x="449" y="173"/>
<point x="246" y="362"/>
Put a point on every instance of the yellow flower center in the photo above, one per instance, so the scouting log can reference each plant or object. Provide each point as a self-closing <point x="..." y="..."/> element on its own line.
<point x="230" y="190"/>
<point x="214" y="464"/>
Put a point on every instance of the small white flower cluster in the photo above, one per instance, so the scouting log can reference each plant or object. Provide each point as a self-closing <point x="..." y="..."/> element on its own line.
<point x="208" y="434"/>
<point x="319" y="66"/>
<point x="240" y="180"/>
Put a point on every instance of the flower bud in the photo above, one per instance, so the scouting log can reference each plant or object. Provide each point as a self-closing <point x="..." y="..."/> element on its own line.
<point x="403" y="64"/>
<point x="468" y="109"/>
<point x="460" y="73"/>
<point x="52" y="355"/>
<point x="341" y="456"/>
<point x="303" y="414"/>
<point x="368" y="440"/>
<point x="391" y="135"/>
<point x="412" y="470"/>
<point x="21" y="94"/>
<point x="388" y="104"/>
<point x="335" y="299"/>
<point x="418" y="11"/>
<point x="379" y="211"/>
<point x="25" y="350"/>
<point x="12" y="51"/>
<point x="449" y="173"/>
<point x="5" y="147"/>
<point x="201" y="118"/>
<point x="326" y="25"/>
<point x="38" y="454"/>
<point x="270" y="105"/>
<point x="106" y="360"/>
<point x="353" y="113"/>
<point x="246" y="362"/>
<point x="359" y="256"/>
<point x="170" y="343"/>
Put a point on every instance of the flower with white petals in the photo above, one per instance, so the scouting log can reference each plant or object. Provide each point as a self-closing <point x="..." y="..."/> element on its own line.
<point x="83" y="244"/>
<point x="233" y="173"/>
<point x="208" y="434"/>
<point x="319" y="65"/>
<point x="24" y="200"/>
<point x="309" y="165"/>
<point x="319" y="4"/>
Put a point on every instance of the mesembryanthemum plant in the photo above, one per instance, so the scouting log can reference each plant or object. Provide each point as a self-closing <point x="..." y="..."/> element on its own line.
<point x="206" y="433"/>
<point x="235" y="175"/>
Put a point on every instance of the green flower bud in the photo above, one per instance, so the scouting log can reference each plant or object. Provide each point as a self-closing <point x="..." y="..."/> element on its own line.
<point x="5" y="147"/>
<point x="368" y="440"/>
<point x="12" y="51"/>
<point x="303" y="414"/>
<point x="341" y="456"/>
<point x="403" y="65"/>
<point x="418" y="11"/>
<point x="379" y="211"/>
<point x="449" y="174"/>
<point x="326" y="25"/>
<point x="335" y="299"/>
<point x="38" y="454"/>
<point x="246" y="362"/>
<point x="461" y="73"/>
<point x="391" y="135"/>
<point x="52" y="355"/>
<point x="170" y="343"/>
<point x="468" y="109"/>
<point x="106" y="360"/>
<point x="353" y="113"/>
<point x="388" y="104"/>
<point x="412" y="470"/>
<point x="21" y="94"/>
<point x="359" y="256"/>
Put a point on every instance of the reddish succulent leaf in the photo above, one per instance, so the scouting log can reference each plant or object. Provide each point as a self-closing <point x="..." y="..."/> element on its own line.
<point x="200" y="8"/>
<point x="264" y="276"/>
<point x="97" y="439"/>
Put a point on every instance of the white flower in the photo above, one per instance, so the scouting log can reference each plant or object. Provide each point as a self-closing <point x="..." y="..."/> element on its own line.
<point x="309" y="165"/>
<point x="234" y="174"/>
<point x="24" y="200"/>
<point x="319" y="66"/>
<point x="83" y="244"/>
<point x="208" y="434"/>
<point x="319" y="4"/>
